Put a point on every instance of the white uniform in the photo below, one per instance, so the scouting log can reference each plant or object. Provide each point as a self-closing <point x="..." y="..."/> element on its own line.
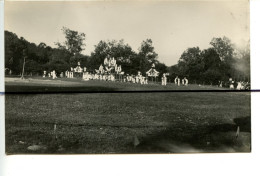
<point x="136" y="79"/>
<point x="133" y="79"/>
<point x="54" y="74"/>
<point x="164" y="80"/>
<point x="112" y="78"/>
<point x="145" y="81"/>
<point x="128" y="78"/>
<point x="239" y="85"/>
<point x="186" y="81"/>
<point x="232" y="85"/>
<point x="176" y="80"/>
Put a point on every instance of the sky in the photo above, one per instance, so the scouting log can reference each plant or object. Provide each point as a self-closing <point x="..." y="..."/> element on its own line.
<point x="173" y="26"/>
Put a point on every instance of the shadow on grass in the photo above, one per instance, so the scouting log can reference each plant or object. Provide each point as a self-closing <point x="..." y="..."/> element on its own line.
<point x="219" y="138"/>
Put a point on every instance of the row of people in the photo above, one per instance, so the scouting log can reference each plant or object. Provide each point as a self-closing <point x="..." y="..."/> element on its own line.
<point x="238" y="85"/>
<point x="179" y="81"/>
<point x="105" y="77"/>
<point x="128" y="78"/>
<point x="241" y="85"/>
<point x="136" y="79"/>
<point x="111" y="77"/>
<point x="51" y="74"/>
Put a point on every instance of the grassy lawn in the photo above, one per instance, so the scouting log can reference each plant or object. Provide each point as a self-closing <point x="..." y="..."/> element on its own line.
<point x="78" y="85"/>
<point x="158" y="122"/>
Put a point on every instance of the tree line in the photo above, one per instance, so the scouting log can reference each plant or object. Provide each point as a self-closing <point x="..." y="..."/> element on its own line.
<point x="222" y="61"/>
<point x="219" y="62"/>
<point x="68" y="54"/>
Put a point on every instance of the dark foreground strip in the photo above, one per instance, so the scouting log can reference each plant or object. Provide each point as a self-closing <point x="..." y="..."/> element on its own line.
<point x="124" y="91"/>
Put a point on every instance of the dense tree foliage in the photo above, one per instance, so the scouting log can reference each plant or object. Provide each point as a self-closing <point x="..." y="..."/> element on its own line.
<point x="60" y="59"/>
<point x="130" y="61"/>
<point x="218" y="63"/>
<point x="74" y="42"/>
<point x="38" y="58"/>
<point x="209" y="66"/>
<point x="122" y="52"/>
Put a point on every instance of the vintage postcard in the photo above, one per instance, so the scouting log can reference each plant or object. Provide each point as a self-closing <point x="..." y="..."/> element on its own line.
<point x="127" y="77"/>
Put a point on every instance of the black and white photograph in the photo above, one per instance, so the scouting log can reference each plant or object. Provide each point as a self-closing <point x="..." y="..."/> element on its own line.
<point x="133" y="77"/>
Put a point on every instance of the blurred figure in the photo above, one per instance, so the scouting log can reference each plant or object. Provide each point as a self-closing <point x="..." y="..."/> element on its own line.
<point x="54" y="74"/>
<point x="177" y="81"/>
<point x="164" y="80"/>
<point x="44" y="74"/>
<point x="239" y="85"/>
<point x="231" y="85"/>
<point x="220" y="83"/>
<point x="185" y="81"/>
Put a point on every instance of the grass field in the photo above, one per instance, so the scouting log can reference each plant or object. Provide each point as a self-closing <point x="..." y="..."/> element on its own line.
<point x="138" y="122"/>
<point x="78" y="85"/>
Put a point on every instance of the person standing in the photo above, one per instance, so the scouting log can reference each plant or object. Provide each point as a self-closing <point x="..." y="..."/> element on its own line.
<point x="164" y="80"/>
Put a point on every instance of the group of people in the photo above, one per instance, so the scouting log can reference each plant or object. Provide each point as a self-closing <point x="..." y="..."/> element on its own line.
<point x="75" y="72"/>
<point x="136" y="79"/>
<point x="110" y="72"/>
<point x="105" y="77"/>
<point x="69" y="74"/>
<point x="241" y="85"/>
<point x="179" y="81"/>
<point x="112" y="77"/>
<point x="51" y="74"/>
<point x="232" y="84"/>
<point x="139" y="78"/>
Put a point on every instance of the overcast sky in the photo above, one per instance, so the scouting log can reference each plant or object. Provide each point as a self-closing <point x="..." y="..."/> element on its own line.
<point x="172" y="26"/>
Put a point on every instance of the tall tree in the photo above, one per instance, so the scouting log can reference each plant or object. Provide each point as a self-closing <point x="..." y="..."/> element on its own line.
<point x="191" y="64"/>
<point x="97" y="57"/>
<point x="213" y="72"/>
<point x="224" y="48"/>
<point x="14" y="47"/>
<point x="74" y="42"/>
<point x="122" y="52"/>
<point x="146" y="55"/>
